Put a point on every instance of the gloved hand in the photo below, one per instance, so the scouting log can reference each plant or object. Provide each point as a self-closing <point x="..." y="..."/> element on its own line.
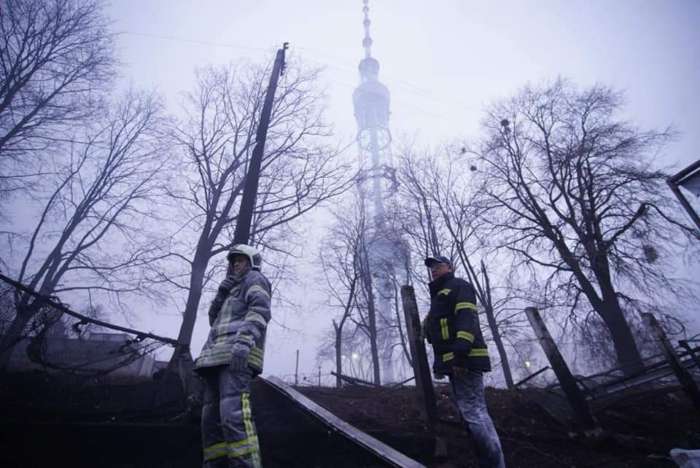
<point x="226" y="285"/>
<point x="239" y="360"/>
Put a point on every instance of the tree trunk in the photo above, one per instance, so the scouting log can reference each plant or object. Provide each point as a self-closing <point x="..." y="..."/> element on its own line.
<point x="26" y="309"/>
<point x="491" y="319"/>
<point x="372" y="317"/>
<point x="14" y="333"/>
<point x="338" y="354"/>
<point x="184" y="338"/>
<point x="505" y="366"/>
<point x="404" y="344"/>
<point x="628" y="356"/>
<point x="608" y="308"/>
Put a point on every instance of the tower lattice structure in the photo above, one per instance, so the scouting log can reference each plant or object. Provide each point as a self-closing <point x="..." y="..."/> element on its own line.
<point x="376" y="186"/>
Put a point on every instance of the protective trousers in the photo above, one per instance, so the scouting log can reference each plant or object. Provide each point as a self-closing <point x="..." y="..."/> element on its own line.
<point x="468" y="394"/>
<point x="229" y="439"/>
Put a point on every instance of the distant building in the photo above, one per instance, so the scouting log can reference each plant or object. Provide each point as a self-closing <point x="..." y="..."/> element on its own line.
<point x="108" y="354"/>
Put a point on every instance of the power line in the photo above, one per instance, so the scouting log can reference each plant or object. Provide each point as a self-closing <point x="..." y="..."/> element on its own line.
<point x="412" y="88"/>
<point x="192" y="41"/>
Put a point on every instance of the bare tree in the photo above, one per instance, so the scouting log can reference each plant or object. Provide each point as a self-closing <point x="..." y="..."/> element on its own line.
<point x="438" y="197"/>
<point x="99" y="197"/>
<point x="299" y="171"/>
<point x="55" y="58"/>
<point x="338" y="258"/>
<point x="570" y="189"/>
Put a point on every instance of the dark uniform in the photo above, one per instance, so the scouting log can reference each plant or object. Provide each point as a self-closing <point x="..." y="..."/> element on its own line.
<point x="452" y="327"/>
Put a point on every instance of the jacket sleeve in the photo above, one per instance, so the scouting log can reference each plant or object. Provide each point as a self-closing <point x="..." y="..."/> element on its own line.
<point x="215" y="307"/>
<point x="257" y="297"/>
<point x="466" y="320"/>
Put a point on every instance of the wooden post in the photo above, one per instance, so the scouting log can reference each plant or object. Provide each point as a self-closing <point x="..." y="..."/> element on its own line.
<point x="684" y="377"/>
<point x="424" y="384"/>
<point x="578" y="402"/>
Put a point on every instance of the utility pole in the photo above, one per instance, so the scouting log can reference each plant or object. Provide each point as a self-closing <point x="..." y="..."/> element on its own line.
<point x="182" y="360"/>
<point x="296" y="370"/>
<point x="250" y="191"/>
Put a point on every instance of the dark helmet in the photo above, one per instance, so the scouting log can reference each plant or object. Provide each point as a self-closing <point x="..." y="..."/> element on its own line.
<point x="243" y="249"/>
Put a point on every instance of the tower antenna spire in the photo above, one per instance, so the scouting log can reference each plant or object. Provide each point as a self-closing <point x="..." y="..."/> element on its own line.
<point x="367" y="40"/>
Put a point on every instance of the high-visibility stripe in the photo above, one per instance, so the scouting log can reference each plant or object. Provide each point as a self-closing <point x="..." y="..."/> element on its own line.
<point x="444" y="330"/>
<point x="256" y="317"/>
<point x="444" y="292"/>
<point x="241" y="443"/>
<point x="241" y="452"/>
<point x="465" y="305"/>
<point x="256" y="289"/>
<point x="215" y="451"/>
<point x="250" y="430"/>
<point x="256" y="357"/>
<point x="255" y="362"/>
<point x="237" y="449"/>
<point x="256" y="352"/>
<point x="448" y="357"/>
<point x="247" y="339"/>
<point x="262" y="310"/>
<point x="479" y="352"/>
<point x="465" y="335"/>
<point x="227" y="326"/>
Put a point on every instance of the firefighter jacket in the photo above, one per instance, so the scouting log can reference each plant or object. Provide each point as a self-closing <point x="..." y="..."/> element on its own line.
<point x="452" y="326"/>
<point x="242" y="318"/>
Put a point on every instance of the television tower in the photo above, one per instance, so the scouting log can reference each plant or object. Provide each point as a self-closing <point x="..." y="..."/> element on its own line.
<point x="377" y="185"/>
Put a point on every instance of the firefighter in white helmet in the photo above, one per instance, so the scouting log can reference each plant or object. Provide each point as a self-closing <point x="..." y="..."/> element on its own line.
<point x="232" y="356"/>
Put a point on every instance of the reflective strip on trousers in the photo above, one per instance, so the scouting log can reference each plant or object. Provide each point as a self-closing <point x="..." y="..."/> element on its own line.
<point x="236" y="449"/>
<point x="250" y="431"/>
<point x="215" y="451"/>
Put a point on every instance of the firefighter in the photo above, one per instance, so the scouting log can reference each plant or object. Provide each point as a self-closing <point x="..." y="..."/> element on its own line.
<point x="231" y="357"/>
<point x="452" y="327"/>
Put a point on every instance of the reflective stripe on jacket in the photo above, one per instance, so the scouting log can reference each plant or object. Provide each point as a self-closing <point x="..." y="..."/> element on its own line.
<point x="452" y="326"/>
<point x="243" y="317"/>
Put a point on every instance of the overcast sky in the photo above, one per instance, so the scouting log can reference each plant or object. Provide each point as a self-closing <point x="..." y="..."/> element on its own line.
<point x="442" y="61"/>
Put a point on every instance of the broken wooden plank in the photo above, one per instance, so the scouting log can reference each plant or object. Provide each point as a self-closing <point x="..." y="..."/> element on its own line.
<point x="684" y="377"/>
<point x="573" y="393"/>
<point x="385" y="453"/>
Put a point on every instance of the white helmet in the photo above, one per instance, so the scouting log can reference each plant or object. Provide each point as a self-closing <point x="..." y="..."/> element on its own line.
<point x="243" y="249"/>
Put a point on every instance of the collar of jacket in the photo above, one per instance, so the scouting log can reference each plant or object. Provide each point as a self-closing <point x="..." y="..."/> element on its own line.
<point x="239" y="277"/>
<point x="437" y="284"/>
